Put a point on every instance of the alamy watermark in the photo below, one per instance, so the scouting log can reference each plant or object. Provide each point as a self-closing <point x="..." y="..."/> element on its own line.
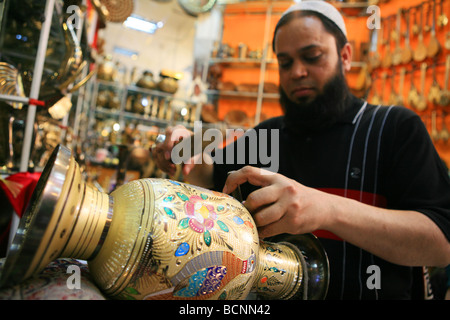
<point x="74" y="280"/>
<point x="74" y="19"/>
<point x="374" y="280"/>
<point x="374" y="20"/>
<point x="251" y="147"/>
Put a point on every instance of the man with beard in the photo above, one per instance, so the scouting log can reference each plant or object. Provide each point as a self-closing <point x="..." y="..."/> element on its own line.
<point x="365" y="179"/>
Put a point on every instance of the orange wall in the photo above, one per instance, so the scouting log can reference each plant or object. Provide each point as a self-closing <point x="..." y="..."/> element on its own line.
<point x="245" y="23"/>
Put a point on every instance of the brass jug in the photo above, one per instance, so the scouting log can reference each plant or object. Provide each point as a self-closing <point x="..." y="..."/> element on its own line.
<point x="146" y="81"/>
<point x="159" y="239"/>
<point x="107" y="70"/>
<point x="169" y="81"/>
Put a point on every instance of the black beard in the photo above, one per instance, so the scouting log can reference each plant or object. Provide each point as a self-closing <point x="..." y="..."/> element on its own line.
<point x="322" y="112"/>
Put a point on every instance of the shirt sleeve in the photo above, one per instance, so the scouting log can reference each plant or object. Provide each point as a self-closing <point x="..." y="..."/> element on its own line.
<point x="415" y="177"/>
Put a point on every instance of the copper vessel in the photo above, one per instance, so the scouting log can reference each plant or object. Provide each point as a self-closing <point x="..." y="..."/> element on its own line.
<point x="159" y="239"/>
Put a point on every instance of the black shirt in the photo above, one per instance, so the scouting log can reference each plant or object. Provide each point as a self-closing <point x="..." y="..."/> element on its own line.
<point x="379" y="155"/>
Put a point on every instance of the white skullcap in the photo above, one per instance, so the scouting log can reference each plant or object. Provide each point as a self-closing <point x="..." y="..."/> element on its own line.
<point x="323" y="8"/>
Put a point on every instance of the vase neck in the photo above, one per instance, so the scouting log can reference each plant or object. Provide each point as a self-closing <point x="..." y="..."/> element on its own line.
<point x="279" y="273"/>
<point x="93" y="215"/>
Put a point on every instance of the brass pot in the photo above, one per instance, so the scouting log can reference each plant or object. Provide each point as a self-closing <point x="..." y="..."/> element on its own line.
<point x="169" y="81"/>
<point x="146" y="81"/>
<point x="169" y="85"/>
<point x="107" y="70"/>
<point x="159" y="239"/>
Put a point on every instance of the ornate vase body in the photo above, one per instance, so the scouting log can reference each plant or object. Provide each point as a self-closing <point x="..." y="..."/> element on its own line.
<point x="159" y="239"/>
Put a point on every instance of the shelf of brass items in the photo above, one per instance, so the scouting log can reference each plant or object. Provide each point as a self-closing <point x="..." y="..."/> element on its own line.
<point x="241" y="95"/>
<point x="355" y="8"/>
<point x="355" y="4"/>
<point x="238" y="62"/>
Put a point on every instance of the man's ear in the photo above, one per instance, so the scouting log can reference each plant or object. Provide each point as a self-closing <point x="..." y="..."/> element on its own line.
<point x="346" y="57"/>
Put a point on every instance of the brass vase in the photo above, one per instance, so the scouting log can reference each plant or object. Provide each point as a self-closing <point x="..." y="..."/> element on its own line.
<point x="159" y="239"/>
<point x="146" y="81"/>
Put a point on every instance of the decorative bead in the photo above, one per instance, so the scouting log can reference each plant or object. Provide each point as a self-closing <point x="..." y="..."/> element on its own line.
<point x="182" y="249"/>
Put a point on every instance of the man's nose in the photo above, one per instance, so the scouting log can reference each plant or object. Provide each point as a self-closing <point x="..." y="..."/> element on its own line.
<point x="299" y="70"/>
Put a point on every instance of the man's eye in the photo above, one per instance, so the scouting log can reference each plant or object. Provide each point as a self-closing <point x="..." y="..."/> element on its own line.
<point x="284" y="64"/>
<point x="312" y="58"/>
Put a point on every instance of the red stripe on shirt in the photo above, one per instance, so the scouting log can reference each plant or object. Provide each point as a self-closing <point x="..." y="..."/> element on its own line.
<point x="364" y="197"/>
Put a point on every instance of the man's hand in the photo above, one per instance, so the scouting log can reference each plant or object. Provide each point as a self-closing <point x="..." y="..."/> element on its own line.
<point x="282" y="205"/>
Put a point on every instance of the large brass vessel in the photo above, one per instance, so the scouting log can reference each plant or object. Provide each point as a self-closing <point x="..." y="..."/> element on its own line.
<point x="159" y="239"/>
